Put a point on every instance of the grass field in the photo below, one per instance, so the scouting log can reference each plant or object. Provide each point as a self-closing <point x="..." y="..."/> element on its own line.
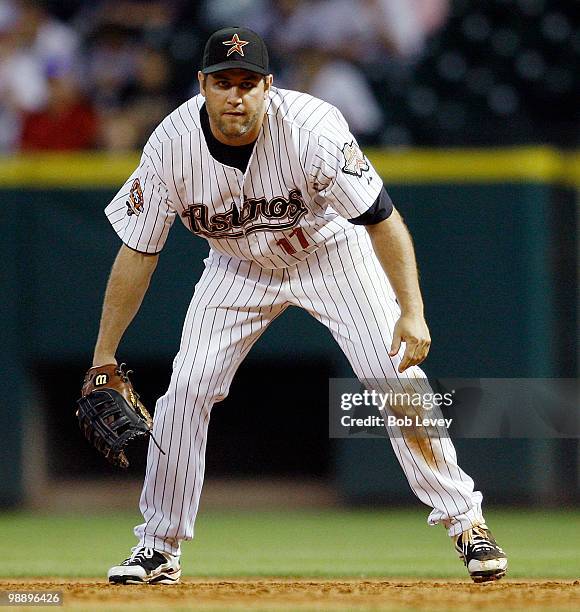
<point x="330" y="544"/>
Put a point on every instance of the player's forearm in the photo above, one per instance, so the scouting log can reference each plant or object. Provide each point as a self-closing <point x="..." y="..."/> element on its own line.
<point x="394" y="249"/>
<point x="126" y="288"/>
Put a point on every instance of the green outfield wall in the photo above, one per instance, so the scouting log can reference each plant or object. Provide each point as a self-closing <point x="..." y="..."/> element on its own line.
<point x="493" y="230"/>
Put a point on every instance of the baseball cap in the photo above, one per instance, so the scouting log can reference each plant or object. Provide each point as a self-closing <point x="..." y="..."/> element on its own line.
<point x="235" y="47"/>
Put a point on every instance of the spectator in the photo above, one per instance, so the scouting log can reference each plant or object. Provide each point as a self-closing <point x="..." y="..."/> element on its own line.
<point x="22" y="84"/>
<point x="111" y="63"/>
<point x="67" y="123"/>
<point x="50" y="41"/>
<point x="147" y="97"/>
<point x="144" y="102"/>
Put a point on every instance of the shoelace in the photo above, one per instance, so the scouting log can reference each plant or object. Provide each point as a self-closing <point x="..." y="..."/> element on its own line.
<point x="475" y="537"/>
<point x="138" y="555"/>
<point x="480" y="543"/>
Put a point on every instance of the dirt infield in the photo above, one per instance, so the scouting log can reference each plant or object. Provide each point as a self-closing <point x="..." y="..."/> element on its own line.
<point x="288" y="594"/>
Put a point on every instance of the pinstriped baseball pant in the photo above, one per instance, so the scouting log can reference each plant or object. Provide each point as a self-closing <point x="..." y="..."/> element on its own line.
<point x="344" y="287"/>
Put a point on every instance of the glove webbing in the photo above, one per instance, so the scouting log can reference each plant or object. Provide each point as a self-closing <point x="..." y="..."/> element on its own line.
<point x="102" y="430"/>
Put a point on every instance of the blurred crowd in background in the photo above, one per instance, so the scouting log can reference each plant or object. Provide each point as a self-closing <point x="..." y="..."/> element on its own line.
<point x="78" y="75"/>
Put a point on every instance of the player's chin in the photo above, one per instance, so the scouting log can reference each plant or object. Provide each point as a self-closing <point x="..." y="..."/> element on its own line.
<point x="234" y="120"/>
<point x="234" y="129"/>
<point x="233" y="135"/>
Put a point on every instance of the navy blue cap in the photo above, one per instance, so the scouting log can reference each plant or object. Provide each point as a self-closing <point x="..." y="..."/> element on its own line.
<point x="235" y="47"/>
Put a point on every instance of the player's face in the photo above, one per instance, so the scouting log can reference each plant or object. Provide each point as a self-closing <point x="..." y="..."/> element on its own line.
<point x="236" y="101"/>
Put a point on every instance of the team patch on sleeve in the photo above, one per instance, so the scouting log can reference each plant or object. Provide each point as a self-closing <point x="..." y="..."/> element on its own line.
<point x="135" y="201"/>
<point x="355" y="162"/>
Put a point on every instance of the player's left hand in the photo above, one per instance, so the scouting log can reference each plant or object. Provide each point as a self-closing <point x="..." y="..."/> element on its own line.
<point x="413" y="331"/>
<point x="110" y="413"/>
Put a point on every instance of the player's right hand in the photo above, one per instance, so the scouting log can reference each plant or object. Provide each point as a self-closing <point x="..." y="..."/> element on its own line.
<point x="413" y="331"/>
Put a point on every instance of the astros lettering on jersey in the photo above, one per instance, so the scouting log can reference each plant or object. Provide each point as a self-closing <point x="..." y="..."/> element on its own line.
<point x="305" y="178"/>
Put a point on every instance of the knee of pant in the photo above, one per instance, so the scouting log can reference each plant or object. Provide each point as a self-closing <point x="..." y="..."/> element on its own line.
<point x="199" y="388"/>
<point x="221" y="394"/>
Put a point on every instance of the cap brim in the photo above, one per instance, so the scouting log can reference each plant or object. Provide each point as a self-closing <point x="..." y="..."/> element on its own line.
<point x="235" y="64"/>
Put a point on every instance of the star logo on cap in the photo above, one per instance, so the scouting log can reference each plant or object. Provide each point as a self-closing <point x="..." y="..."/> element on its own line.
<point x="235" y="45"/>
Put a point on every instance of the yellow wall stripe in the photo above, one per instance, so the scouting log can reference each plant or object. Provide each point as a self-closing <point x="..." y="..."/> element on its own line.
<point x="470" y="165"/>
<point x="519" y="164"/>
<point x="66" y="170"/>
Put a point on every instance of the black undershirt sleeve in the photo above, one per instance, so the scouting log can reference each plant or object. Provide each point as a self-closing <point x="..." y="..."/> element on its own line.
<point x="379" y="211"/>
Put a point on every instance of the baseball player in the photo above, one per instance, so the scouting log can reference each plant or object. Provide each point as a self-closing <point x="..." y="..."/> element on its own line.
<point x="294" y="214"/>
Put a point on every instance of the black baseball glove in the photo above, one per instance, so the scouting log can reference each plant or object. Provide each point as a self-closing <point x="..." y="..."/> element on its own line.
<point x="110" y="414"/>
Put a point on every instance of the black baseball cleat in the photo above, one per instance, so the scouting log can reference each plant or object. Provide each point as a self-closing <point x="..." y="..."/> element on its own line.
<point x="484" y="559"/>
<point x="146" y="566"/>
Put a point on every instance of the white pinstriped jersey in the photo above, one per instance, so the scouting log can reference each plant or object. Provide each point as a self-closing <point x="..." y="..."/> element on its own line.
<point x="305" y="178"/>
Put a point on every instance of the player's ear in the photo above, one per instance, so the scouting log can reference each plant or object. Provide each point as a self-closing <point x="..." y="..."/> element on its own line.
<point x="201" y="78"/>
